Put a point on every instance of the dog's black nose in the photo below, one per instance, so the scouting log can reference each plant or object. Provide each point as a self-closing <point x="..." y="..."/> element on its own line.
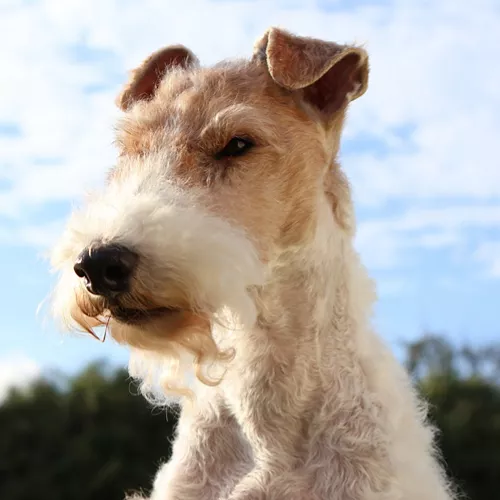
<point x="106" y="270"/>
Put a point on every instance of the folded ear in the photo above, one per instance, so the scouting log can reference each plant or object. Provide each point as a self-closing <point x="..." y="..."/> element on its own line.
<point x="328" y="75"/>
<point x="145" y="79"/>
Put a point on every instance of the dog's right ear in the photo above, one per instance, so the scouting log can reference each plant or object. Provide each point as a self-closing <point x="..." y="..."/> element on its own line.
<point x="145" y="79"/>
<point x="327" y="75"/>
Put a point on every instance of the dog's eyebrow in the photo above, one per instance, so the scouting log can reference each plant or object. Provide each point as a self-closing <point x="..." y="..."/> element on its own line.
<point x="235" y="114"/>
<point x="240" y="116"/>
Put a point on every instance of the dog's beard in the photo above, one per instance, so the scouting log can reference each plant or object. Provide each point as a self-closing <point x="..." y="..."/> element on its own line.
<point x="130" y="309"/>
<point x="195" y="273"/>
<point x="169" y="327"/>
<point x="170" y="334"/>
<point x="162" y="338"/>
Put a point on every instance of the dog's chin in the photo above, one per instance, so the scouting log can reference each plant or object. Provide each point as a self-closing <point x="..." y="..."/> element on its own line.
<point x="154" y="329"/>
<point x="131" y="316"/>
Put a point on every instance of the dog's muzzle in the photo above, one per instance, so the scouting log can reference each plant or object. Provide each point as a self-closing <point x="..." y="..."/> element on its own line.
<point x="107" y="272"/>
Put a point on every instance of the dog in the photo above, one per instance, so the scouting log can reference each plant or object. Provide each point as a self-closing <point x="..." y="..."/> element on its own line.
<point x="221" y="252"/>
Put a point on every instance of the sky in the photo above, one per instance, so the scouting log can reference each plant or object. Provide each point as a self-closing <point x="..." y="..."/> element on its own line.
<point x="420" y="148"/>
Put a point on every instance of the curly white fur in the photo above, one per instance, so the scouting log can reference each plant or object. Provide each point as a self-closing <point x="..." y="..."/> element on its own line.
<point x="213" y="264"/>
<point x="295" y="397"/>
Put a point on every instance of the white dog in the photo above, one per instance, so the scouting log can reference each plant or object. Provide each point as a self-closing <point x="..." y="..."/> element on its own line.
<point x="225" y="237"/>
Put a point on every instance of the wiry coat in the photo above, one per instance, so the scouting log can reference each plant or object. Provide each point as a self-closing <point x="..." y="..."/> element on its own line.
<point x="295" y="397"/>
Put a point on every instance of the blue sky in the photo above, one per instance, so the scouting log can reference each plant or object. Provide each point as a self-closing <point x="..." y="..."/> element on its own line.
<point x="420" y="147"/>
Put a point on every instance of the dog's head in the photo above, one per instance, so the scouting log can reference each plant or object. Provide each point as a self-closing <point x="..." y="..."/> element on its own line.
<point x="220" y="171"/>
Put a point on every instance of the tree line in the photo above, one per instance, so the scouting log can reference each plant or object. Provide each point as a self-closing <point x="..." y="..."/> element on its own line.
<point x="92" y="437"/>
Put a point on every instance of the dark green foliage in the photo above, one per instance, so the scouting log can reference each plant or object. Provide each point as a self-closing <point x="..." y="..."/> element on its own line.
<point x="468" y="414"/>
<point x="462" y="387"/>
<point x="93" y="438"/>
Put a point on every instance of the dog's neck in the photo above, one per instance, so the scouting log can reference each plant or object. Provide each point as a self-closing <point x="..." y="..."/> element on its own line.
<point x="320" y="289"/>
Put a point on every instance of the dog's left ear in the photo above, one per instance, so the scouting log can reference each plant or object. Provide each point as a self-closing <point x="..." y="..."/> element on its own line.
<point x="144" y="80"/>
<point x="328" y="75"/>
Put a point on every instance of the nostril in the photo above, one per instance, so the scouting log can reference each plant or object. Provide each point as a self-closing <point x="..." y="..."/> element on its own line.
<point x="116" y="273"/>
<point x="79" y="271"/>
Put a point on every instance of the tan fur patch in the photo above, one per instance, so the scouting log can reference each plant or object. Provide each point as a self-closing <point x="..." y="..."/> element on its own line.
<point x="229" y="194"/>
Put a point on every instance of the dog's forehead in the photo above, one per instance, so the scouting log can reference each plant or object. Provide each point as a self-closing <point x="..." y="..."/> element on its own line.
<point x="190" y="102"/>
<point x="224" y="81"/>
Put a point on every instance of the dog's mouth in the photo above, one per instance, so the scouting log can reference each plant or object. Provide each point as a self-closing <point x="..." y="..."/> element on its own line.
<point x="137" y="316"/>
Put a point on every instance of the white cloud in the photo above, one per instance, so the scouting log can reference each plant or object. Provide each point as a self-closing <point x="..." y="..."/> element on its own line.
<point x="17" y="370"/>
<point x="434" y="73"/>
<point x="386" y="241"/>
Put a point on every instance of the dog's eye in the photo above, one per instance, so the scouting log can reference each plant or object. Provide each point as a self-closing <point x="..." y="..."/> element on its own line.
<point x="237" y="146"/>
